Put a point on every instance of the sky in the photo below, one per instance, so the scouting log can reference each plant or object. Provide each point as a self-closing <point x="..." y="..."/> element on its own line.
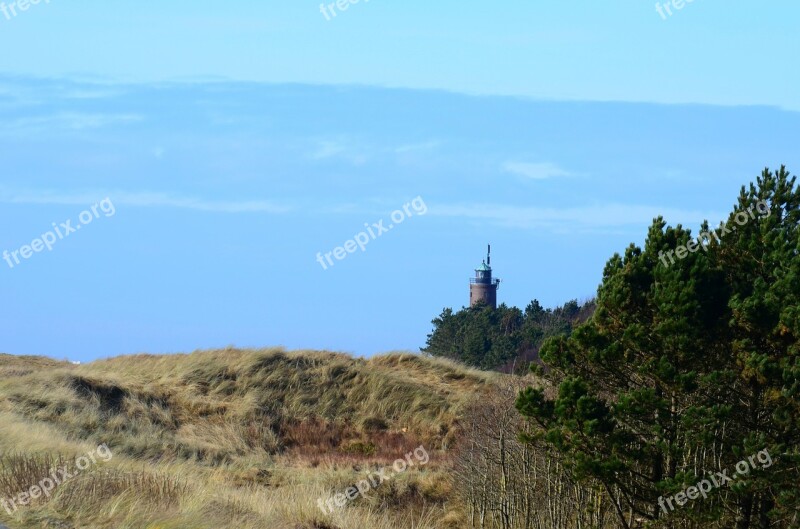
<point x="227" y="148"/>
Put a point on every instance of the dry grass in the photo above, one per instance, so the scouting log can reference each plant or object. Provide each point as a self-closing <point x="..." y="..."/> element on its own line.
<point x="232" y="438"/>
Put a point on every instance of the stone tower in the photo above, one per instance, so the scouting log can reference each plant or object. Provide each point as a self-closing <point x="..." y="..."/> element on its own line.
<point x="482" y="288"/>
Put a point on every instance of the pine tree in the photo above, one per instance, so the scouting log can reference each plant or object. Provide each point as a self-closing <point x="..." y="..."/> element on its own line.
<point x="495" y="338"/>
<point x="689" y="364"/>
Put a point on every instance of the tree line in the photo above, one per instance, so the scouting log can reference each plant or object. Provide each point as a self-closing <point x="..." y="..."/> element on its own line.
<point x="686" y="368"/>
<point x="504" y="338"/>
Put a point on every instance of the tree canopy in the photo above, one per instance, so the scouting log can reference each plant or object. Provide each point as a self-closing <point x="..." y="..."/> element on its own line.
<point x="689" y="365"/>
<point x="501" y="338"/>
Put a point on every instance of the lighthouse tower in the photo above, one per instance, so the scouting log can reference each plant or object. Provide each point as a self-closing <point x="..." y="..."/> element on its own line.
<point x="482" y="288"/>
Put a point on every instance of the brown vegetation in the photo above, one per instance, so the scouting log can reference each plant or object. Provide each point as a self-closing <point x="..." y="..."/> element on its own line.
<point x="232" y="438"/>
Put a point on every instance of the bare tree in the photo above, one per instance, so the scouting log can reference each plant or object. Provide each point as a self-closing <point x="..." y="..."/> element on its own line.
<point x="509" y="484"/>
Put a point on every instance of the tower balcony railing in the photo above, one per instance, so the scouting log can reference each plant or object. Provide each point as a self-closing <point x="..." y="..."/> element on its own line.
<point x="484" y="281"/>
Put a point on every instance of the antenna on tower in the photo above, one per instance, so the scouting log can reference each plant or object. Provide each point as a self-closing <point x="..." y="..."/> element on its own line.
<point x="489" y="255"/>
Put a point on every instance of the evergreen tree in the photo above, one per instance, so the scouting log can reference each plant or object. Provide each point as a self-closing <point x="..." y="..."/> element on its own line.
<point x="689" y="365"/>
<point x="492" y="339"/>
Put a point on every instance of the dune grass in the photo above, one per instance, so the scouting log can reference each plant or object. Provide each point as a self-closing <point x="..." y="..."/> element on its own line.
<point x="233" y="438"/>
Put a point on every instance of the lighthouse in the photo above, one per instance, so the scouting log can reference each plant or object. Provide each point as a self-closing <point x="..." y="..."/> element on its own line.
<point x="482" y="288"/>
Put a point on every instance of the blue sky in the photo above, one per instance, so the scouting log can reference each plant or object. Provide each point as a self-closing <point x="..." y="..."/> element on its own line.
<point x="238" y="141"/>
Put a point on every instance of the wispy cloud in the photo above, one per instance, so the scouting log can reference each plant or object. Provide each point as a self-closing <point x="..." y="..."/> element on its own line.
<point x="339" y="149"/>
<point x="143" y="199"/>
<point x="68" y="121"/>
<point x="535" y="171"/>
<point x="592" y="217"/>
<point x="328" y="149"/>
<point x="92" y="94"/>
